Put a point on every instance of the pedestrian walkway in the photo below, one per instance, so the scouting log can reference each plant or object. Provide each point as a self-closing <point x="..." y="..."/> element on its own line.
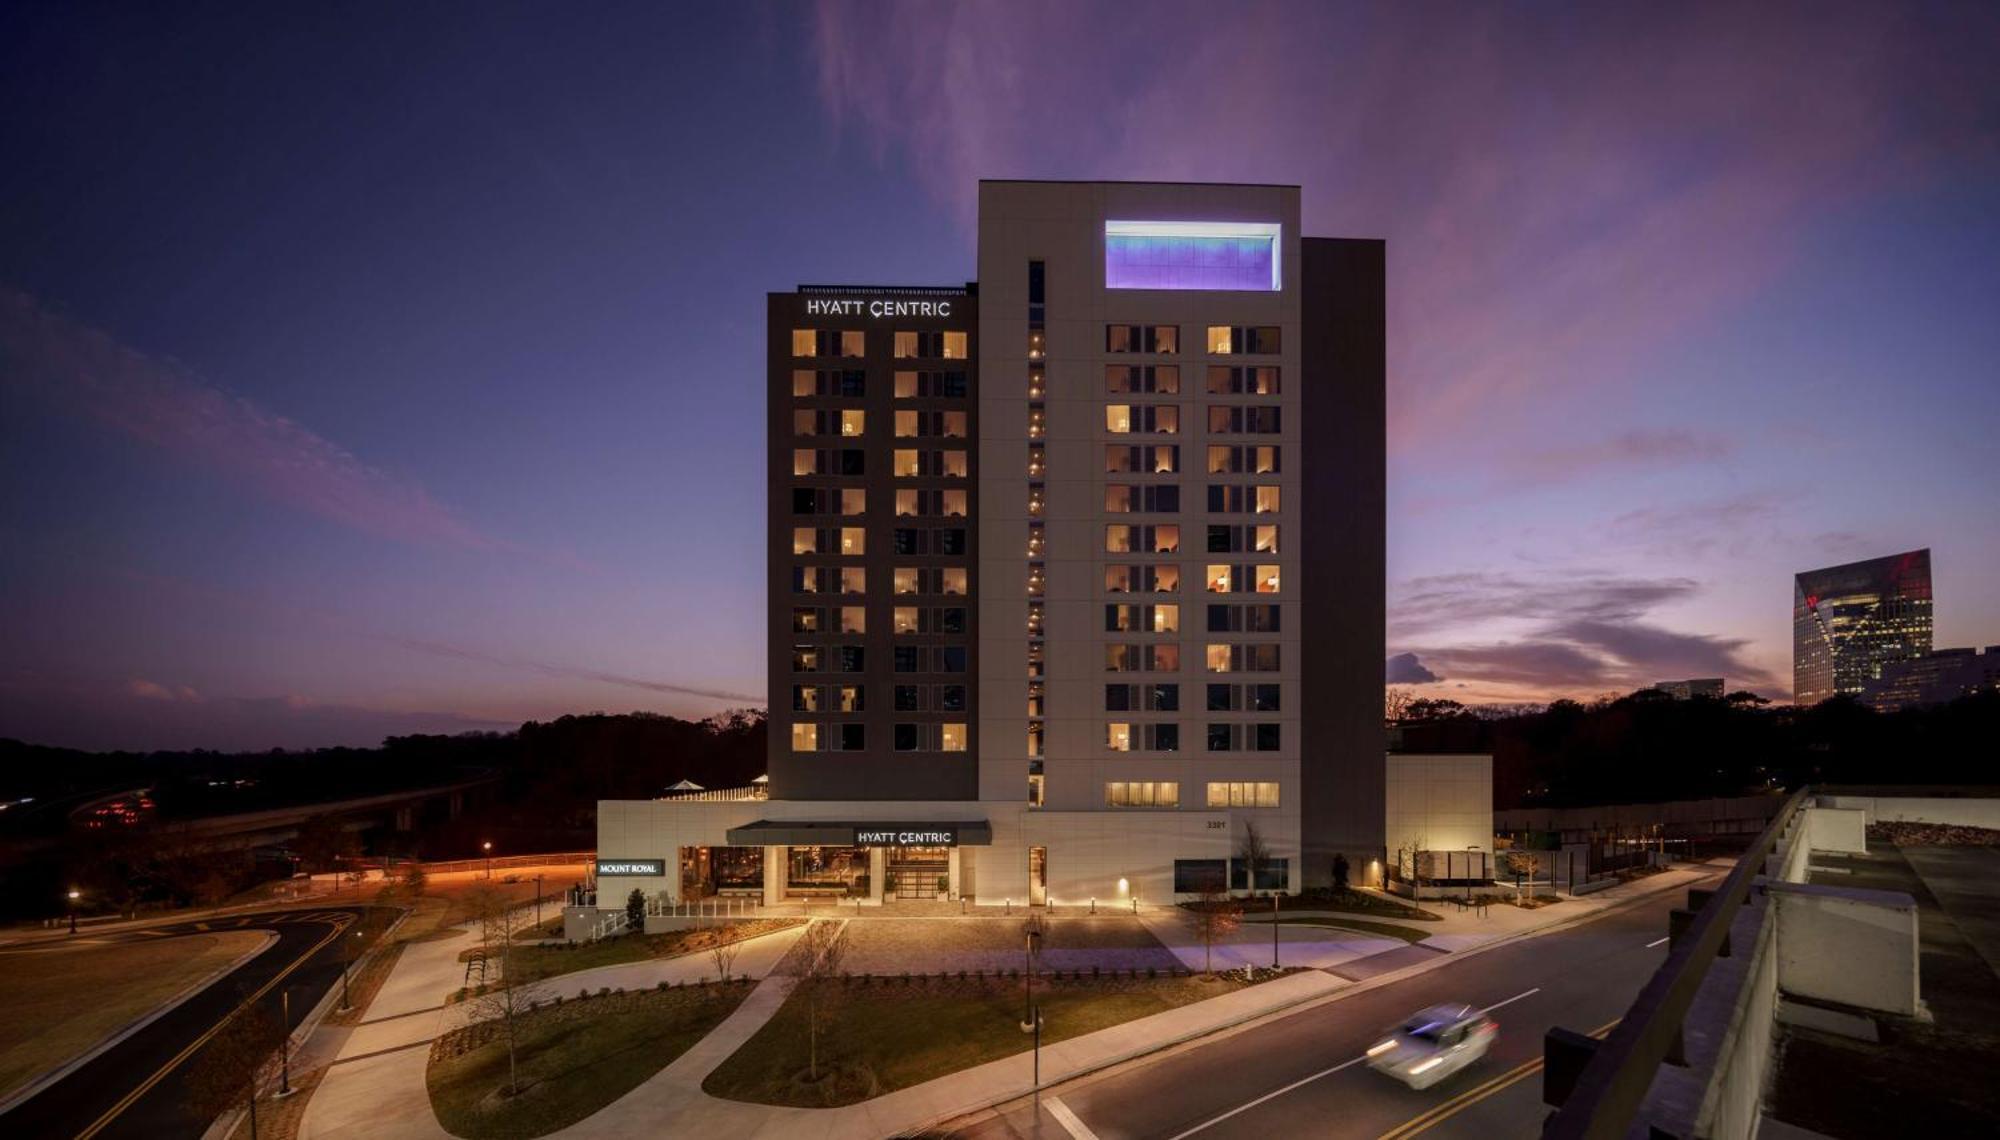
<point x="374" y="1084"/>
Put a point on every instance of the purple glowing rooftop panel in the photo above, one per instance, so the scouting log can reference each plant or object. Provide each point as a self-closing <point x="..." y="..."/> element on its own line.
<point x="1236" y="256"/>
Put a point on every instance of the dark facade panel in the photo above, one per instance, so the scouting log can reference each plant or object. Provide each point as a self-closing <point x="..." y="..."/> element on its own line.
<point x="1344" y="483"/>
<point x="876" y="771"/>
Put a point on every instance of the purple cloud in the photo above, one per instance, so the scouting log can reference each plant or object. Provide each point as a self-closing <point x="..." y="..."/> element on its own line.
<point x="1406" y="669"/>
<point x="86" y="372"/>
<point x="547" y="669"/>
<point x="1632" y="449"/>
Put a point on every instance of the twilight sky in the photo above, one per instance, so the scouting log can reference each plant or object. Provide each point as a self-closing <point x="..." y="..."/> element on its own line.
<point x="372" y="369"/>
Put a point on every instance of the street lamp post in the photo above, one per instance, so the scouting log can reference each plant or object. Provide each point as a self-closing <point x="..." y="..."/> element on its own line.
<point x="74" y="895"/>
<point x="285" y="1046"/>
<point x="487" y="847"/>
<point x="538" y="900"/>
<point x="1274" y="930"/>
<point x="1028" y="1015"/>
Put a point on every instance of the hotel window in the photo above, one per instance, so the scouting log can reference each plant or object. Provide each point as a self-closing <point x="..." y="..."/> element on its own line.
<point x="853" y="580"/>
<point x="906" y="658"/>
<point x="1225" y="459"/>
<point x="1038" y="460"/>
<point x="1142" y="793"/>
<point x="1236" y="419"/>
<point x="853" y="540"/>
<point x="1226" y="340"/>
<point x="1236" y="499"/>
<point x="952" y="659"/>
<point x="1161" y="697"/>
<point x="1231" y="380"/>
<point x="905" y="463"/>
<point x="850" y="659"/>
<point x="851" y="700"/>
<point x="903" y="619"/>
<point x="1164" y="419"/>
<point x="952" y="463"/>
<point x="852" y="423"/>
<point x="1237" y="658"/>
<point x="1159" y="459"/>
<point x="1163" y="658"/>
<point x="853" y="501"/>
<point x="1162" y="538"/>
<point x="1260" y="539"/>
<point x="906" y="699"/>
<point x="805" y="658"/>
<point x="953" y="736"/>
<point x="1243" y="619"/>
<point x="905" y="736"/>
<point x="853" y="619"/>
<point x="1243" y="698"/>
<point x="1242" y="794"/>
<point x="1034" y="774"/>
<point x="1160" y="379"/>
<point x="805" y="737"/>
<point x="805" y="619"/>
<point x="805" y="698"/>
<point x="904" y="579"/>
<point x="848" y="737"/>
<point x="1142" y="619"/>
<point x="952" y="581"/>
<point x="805" y="540"/>
<point x="828" y="342"/>
<point x="1152" y="498"/>
<point x="951" y="698"/>
<point x="1164" y="340"/>
<point x="1118" y="736"/>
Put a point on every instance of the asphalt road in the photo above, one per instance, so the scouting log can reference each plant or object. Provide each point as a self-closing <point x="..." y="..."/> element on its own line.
<point x="1303" y="1074"/>
<point x="134" y="1089"/>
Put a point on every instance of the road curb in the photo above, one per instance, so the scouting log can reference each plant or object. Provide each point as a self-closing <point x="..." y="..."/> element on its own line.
<point x="1251" y="1020"/>
<point x="32" y="1088"/>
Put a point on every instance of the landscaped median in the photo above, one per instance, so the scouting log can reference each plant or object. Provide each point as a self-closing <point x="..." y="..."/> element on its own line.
<point x="541" y="961"/>
<point x="879" y="1034"/>
<point x="572" y="1057"/>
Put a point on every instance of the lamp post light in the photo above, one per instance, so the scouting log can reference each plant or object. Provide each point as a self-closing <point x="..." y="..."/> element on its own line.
<point x="538" y="900"/>
<point x="487" y="847"/>
<point x="74" y="895"/>
<point x="1029" y="1016"/>
<point x="1274" y="930"/>
<point x="285" y="1047"/>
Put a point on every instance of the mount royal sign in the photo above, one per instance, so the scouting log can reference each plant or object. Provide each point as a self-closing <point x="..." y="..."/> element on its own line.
<point x="877" y="307"/>
<point x="631" y="867"/>
<point x="933" y="835"/>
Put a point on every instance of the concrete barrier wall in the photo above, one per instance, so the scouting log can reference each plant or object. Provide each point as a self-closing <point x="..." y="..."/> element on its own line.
<point x="1845" y="945"/>
<point x="1733" y="1100"/>
<point x="1921" y="809"/>
<point x="1840" y="831"/>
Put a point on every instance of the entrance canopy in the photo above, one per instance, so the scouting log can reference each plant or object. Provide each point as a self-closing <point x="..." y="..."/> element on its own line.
<point x="817" y="833"/>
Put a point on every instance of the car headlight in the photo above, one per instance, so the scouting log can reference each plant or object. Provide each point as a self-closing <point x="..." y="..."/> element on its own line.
<point x="1380" y="1048"/>
<point x="1423" y="1067"/>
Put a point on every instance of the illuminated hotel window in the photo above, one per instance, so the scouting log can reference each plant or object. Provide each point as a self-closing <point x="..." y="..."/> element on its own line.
<point x="850" y="698"/>
<point x="805" y="738"/>
<point x="1164" y="379"/>
<point x="906" y="385"/>
<point x="1233" y="380"/>
<point x="852" y="423"/>
<point x="1233" y="256"/>
<point x="805" y="658"/>
<point x="853" y="540"/>
<point x="906" y="503"/>
<point x="853" y="501"/>
<point x="953" y="580"/>
<point x="853" y="619"/>
<point x="805" y="540"/>
<point x="953" y="463"/>
<point x="903" y="619"/>
<point x="853" y="580"/>
<point x="952" y="738"/>
<point x="805" y="462"/>
<point x="1163" y="340"/>
<point x="954" y="503"/>
<point x="1166" y="619"/>
<point x="904" y="580"/>
<point x="905" y="464"/>
<point x="1225" y="340"/>
<point x="805" y="698"/>
<point x="1038" y="382"/>
<point x="1142" y="793"/>
<point x="906" y="424"/>
<point x="805" y="619"/>
<point x="1034" y="782"/>
<point x="1243" y="794"/>
<point x="1118" y="736"/>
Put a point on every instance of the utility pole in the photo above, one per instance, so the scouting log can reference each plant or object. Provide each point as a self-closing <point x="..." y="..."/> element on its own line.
<point x="1274" y="930"/>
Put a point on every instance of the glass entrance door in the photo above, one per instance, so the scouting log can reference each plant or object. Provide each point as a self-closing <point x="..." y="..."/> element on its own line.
<point x="1038" y="876"/>
<point x="920" y="872"/>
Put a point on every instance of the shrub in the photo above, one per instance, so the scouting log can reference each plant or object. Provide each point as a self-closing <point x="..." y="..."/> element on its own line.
<point x="583" y="994"/>
<point x="1096" y="972"/>
<point x="604" y="991"/>
<point x="662" y="987"/>
<point x="1152" y="971"/>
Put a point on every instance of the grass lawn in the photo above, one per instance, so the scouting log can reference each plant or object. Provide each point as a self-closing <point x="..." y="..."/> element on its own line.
<point x="1361" y="926"/>
<point x="573" y="1059"/>
<point x="47" y="1023"/>
<point x="1360" y="902"/>
<point x="890" y="1034"/>
<point x="534" y="963"/>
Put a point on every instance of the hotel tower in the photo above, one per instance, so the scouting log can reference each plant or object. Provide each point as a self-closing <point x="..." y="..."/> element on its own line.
<point x="1075" y="573"/>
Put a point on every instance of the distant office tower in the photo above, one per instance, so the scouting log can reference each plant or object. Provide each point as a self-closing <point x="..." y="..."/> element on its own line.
<point x="1691" y="688"/>
<point x="1935" y="679"/>
<point x="1849" y="621"/>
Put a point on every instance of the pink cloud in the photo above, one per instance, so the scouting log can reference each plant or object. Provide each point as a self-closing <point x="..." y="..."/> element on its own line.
<point x="86" y="372"/>
<point x="1557" y="198"/>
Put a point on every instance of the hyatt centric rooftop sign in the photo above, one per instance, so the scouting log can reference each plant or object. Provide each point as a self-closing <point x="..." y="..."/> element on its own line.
<point x="631" y="867"/>
<point x="878" y="307"/>
<point x="940" y="835"/>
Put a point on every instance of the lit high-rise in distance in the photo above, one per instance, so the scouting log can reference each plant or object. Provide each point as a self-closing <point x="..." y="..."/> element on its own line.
<point x="1848" y="621"/>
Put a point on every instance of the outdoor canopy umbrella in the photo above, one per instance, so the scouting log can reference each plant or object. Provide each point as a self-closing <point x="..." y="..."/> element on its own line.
<point x="687" y="786"/>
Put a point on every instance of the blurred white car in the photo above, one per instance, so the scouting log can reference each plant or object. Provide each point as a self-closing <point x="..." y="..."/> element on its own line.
<point x="1434" y="1043"/>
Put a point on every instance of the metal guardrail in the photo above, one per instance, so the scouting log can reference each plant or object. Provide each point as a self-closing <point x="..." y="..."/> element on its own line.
<point x="498" y="862"/>
<point x="1612" y="1087"/>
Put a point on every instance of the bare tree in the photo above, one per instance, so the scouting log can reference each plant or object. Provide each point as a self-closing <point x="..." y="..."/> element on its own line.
<point x="1214" y="914"/>
<point x="507" y="996"/>
<point x="821" y="949"/>
<point x="1254" y="854"/>
<point x="1420" y="864"/>
<point x="1519" y="863"/>
<point x="724" y="952"/>
<point x="1396" y="703"/>
<point x="414" y="879"/>
<point x="241" y="1056"/>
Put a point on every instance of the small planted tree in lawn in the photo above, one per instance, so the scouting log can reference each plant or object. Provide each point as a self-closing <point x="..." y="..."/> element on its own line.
<point x="635" y="911"/>
<point x="1340" y="874"/>
<point x="1519" y="863"/>
<point x="507" y="997"/>
<point x="724" y="952"/>
<point x="1254" y="854"/>
<point x="820" y="951"/>
<point x="1214" y="914"/>
<point x="414" y="880"/>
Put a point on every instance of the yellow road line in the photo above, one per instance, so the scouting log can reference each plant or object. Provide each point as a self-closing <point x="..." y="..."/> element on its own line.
<point x="126" y="1101"/>
<point x="1471" y="1096"/>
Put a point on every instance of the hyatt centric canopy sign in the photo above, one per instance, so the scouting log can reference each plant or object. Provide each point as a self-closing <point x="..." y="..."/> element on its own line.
<point x="877" y="307"/>
<point x="930" y="835"/>
<point x="631" y="867"/>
